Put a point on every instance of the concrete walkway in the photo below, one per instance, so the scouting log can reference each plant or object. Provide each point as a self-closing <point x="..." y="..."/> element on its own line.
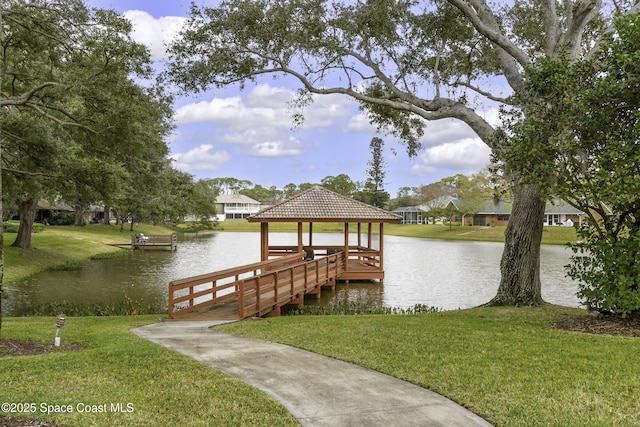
<point x="317" y="390"/>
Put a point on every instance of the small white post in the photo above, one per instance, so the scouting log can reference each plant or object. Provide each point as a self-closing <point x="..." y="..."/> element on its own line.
<point x="59" y="324"/>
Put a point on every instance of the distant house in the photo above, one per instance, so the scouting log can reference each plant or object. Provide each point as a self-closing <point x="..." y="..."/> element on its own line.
<point x="560" y="212"/>
<point x="557" y="212"/>
<point x="410" y="215"/>
<point x="45" y="209"/>
<point x="235" y="206"/>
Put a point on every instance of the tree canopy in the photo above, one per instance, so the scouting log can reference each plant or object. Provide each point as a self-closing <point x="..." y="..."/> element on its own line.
<point x="406" y="63"/>
<point x="76" y="71"/>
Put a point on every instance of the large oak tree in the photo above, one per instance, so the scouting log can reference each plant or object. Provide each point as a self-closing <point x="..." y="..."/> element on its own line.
<point x="593" y="158"/>
<point x="407" y="63"/>
<point x="63" y="69"/>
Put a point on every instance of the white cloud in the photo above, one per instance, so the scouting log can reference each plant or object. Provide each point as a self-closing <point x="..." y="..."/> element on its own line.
<point x="329" y="111"/>
<point x="446" y="131"/>
<point x="263" y="96"/>
<point x="156" y="34"/>
<point x="229" y="111"/>
<point x="201" y="158"/>
<point x="264" y="106"/>
<point x="290" y="147"/>
<point x="464" y="156"/>
<point x="359" y="123"/>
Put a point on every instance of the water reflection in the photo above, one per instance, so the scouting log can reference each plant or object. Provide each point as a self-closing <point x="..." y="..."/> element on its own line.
<point x="444" y="274"/>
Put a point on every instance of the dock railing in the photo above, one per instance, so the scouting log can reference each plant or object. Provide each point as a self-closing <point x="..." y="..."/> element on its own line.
<point x="160" y="240"/>
<point x="268" y="291"/>
<point x="192" y="293"/>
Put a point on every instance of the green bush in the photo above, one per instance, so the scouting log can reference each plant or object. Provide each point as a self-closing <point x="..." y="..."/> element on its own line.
<point x="12" y="227"/>
<point x="607" y="269"/>
<point x="62" y="218"/>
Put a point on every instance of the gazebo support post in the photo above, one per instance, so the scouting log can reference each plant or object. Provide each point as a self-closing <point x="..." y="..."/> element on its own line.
<point x="299" y="237"/>
<point x="346" y="248"/>
<point x="381" y="248"/>
<point x="264" y="241"/>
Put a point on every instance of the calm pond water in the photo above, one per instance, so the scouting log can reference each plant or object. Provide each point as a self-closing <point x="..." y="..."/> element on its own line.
<point x="445" y="274"/>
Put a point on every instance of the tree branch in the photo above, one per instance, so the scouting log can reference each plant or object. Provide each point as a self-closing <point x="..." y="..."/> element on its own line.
<point x="25" y="97"/>
<point x="480" y="91"/>
<point x="581" y="14"/>
<point x="551" y="25"/>
<point x="511" y="58"/>
<point x="610" y="29"/>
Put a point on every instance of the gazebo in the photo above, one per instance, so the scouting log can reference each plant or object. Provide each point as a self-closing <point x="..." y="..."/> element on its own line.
<point x="318" y="204"/>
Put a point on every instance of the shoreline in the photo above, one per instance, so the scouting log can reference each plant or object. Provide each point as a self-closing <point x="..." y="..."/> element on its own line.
<point x="65" y="247"/>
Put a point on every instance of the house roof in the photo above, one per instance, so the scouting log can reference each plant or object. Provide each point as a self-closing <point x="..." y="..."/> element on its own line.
<point x="318" y="204"/>
<point x="235" y="198"/>
<point x="555" y="206"/>
<point x="405" y="209"/>
<point x="558" y="206"/>
<point x="488" y="207"/>
<point x="57" y="206"/>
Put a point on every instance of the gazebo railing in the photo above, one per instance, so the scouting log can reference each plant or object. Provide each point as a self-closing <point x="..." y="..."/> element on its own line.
<point x="360" y="258"/>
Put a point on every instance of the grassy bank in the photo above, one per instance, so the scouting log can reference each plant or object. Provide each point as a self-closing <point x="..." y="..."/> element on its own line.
<point x="65" y="246"/>
<point x="508" y="365"/>
<point x="159" y="387"/>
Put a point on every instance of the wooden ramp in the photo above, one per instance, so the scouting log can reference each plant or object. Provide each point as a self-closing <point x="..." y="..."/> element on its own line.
<point x="253" y="290"/>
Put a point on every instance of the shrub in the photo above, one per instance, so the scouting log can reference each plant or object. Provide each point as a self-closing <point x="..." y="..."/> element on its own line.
<point x="61" y="218"/>
<point x="606" y="267"/>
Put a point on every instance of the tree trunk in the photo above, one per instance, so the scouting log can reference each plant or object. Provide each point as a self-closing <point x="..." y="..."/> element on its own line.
<point x="79" y="215"/>
<point x="107" y="216"/>
<point x="27" y="209"/>
<point x="520" y="265"/>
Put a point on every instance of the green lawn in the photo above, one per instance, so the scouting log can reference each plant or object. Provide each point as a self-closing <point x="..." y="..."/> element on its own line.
<point x="162" y="387"/>
<point x="507" y="364"/>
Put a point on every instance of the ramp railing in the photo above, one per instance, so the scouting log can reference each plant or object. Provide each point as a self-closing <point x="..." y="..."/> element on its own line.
<point x="193" y="293"/>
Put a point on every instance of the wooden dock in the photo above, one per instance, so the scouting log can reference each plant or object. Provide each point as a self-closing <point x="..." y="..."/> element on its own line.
<point x="253" y="290"/>
<point x="142" y="241"/>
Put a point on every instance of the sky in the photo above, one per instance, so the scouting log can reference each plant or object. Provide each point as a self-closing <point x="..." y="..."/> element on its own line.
<point x="249" y="135"/>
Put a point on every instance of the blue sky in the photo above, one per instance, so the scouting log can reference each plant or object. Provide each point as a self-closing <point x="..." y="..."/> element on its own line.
<point x="248" y="134"/>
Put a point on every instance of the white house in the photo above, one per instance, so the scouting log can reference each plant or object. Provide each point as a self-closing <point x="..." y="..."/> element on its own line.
<point x="235" y="206"/>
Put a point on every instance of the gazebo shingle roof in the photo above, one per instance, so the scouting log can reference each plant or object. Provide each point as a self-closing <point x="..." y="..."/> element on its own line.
<point x="318" y="204"/>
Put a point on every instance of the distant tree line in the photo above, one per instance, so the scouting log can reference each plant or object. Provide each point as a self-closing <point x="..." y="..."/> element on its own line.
<point x="473" y="190"/>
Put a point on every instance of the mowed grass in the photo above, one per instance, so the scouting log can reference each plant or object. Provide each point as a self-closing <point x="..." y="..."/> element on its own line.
<point x="508" y="365"/>
<point x="59" y="246"/>
<point x="162" y="387"/>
